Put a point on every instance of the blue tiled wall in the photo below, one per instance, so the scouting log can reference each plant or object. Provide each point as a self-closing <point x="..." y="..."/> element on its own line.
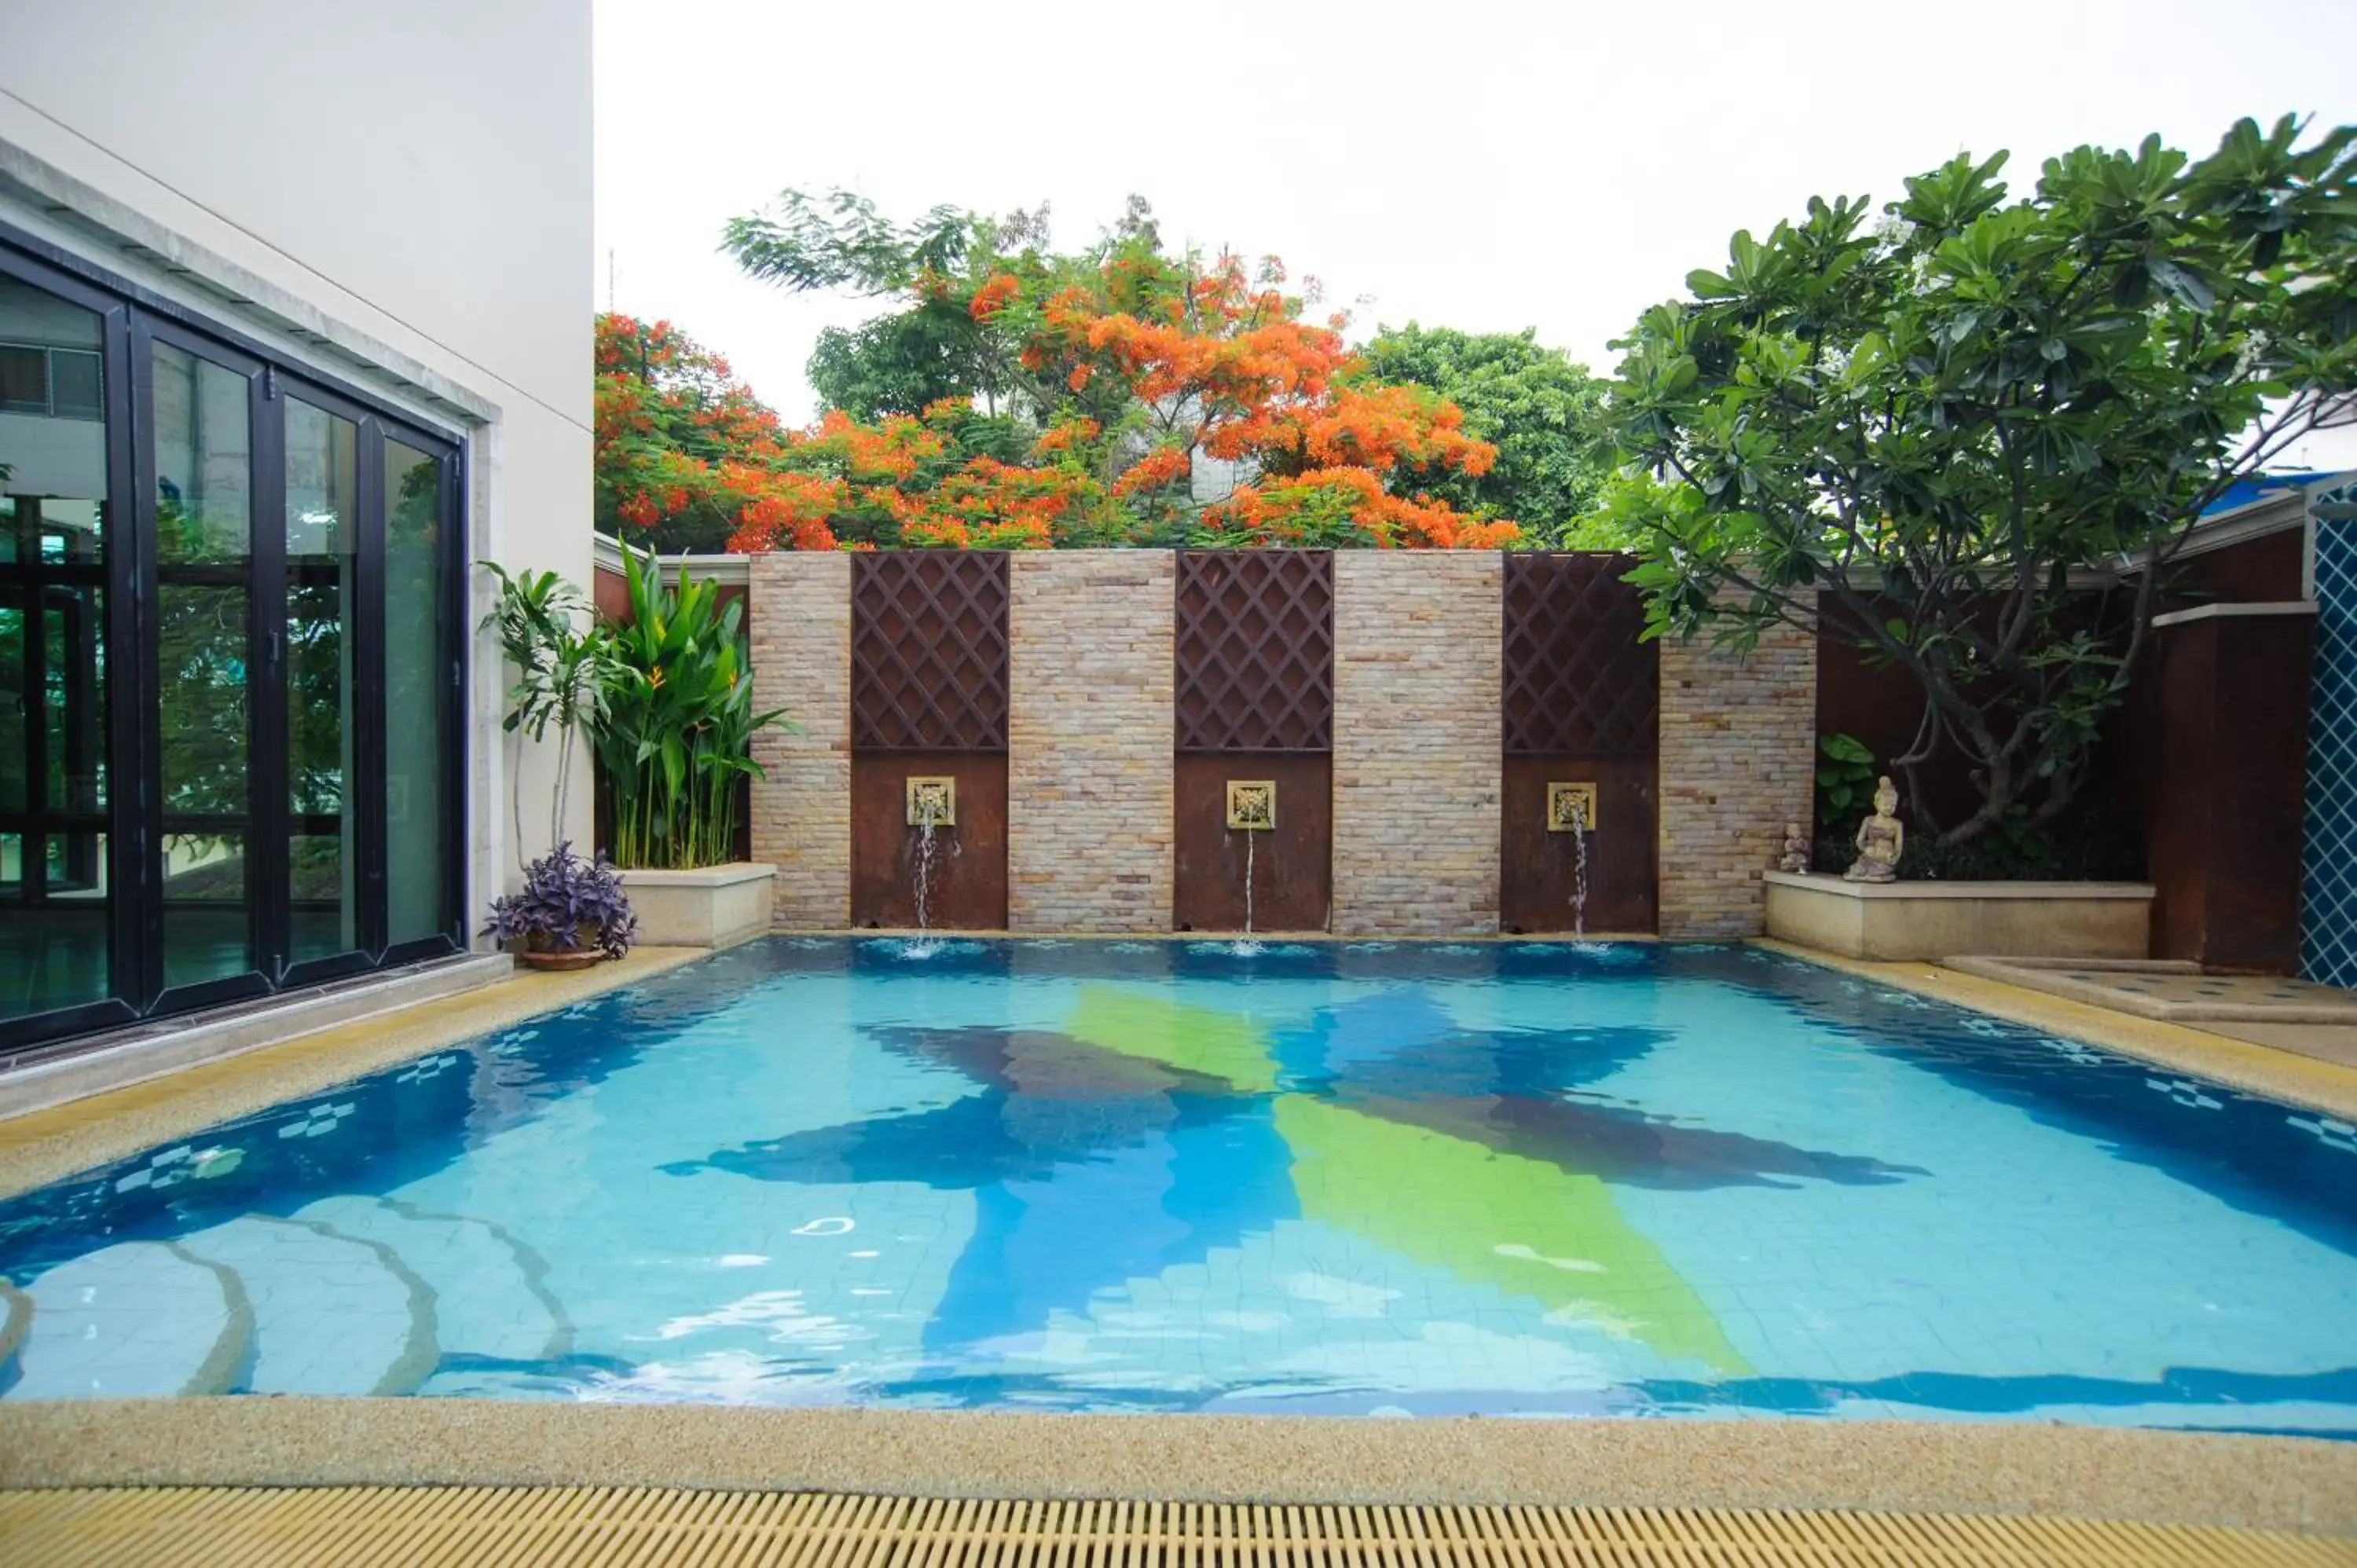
<point x="2328" y="895"/>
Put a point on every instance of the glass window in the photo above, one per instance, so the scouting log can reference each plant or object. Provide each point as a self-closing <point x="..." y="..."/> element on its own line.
<point x="55" y="919"/>
<point x="415" y="683"/>
<point x="322" y="543"/>
<point x="204" y="532"/>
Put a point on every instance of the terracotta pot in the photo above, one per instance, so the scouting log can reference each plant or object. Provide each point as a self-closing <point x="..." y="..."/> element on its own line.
<point x="579" y="958"/>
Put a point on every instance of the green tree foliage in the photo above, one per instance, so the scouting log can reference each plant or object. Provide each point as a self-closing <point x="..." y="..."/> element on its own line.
<point x="1934" y="419"/>
<point x="1542" y="411"/>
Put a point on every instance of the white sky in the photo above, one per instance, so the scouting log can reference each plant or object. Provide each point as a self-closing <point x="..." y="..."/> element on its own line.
<point x="1478" y="164"/>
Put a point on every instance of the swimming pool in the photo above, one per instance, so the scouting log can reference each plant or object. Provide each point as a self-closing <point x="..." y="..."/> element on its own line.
<point x="1335" y="1178"/>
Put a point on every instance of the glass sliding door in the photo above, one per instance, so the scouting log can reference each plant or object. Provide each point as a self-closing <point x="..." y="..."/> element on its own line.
<point x="322" y="549"/>
<point x="199" y="469"/>
<point x="225" y="586"/>
<point x="419" y="689"/>
<point x="60" y="493"/>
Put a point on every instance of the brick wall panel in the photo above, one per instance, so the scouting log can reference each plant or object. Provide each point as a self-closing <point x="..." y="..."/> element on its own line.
<point x="1090" y="740"/>
<point x="1417" y="741"/>
<point x="1738" y="762"/>
<point x="801" y="633"/>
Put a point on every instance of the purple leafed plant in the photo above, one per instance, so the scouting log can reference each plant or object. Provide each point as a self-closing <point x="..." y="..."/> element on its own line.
<point x="567" y="903"/>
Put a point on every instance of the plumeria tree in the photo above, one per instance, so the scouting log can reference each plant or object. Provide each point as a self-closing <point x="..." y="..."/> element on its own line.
<point x="1921" y="424"/>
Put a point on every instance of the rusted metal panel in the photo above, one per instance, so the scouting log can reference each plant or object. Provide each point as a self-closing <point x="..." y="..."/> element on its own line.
<point x="1537" y="869"/>
<point x="1255" y="651"/>
<point x="2217" y="727"/>
<point x="1576" y="679"/>
<point x="966" y="885"/>
<point x="929" y="651"/>
<point x="1580" y="701"/>
<point x="1291" y="866"/>
<point x="1253" y="684"/>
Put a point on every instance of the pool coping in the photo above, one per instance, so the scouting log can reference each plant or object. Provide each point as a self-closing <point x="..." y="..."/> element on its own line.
<point x="2304" y="1081"/>
<point x="41" y="1146"/>
<point x="1994" y="1468"/>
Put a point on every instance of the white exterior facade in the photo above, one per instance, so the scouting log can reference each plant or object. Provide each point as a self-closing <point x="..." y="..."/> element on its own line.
<point x="399" y="195"/>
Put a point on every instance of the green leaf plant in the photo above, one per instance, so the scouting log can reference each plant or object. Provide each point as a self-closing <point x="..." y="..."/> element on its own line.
<point x="1972" y="432"/>
<point x="675" y="731"/>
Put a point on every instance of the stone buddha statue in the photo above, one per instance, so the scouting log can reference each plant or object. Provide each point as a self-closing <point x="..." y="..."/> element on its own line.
<point x="1881" y="838"/>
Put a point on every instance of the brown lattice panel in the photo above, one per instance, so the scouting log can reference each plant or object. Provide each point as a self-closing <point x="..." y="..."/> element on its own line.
<point x="929" y="651"/>
<point x="1576" y="678"/>
<point x="1255" y="650"/>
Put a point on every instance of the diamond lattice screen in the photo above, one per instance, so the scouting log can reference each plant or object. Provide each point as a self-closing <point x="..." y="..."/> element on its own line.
<point x="929" y="651"/>
<point x="1576" y="678"/>
<point x="1255" y="650"/>
<point x="2328" y="949"/>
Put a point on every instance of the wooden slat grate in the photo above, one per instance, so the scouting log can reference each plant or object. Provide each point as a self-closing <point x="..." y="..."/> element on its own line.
<point x="929" y="651"/>
<point x="528" y="1526"/>
<point x="1574" y="677"/>
<point x="1255" y="651"/>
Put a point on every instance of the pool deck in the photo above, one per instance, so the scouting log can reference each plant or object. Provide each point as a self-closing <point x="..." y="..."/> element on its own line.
<point x="1996" y="1470"/>
<point x="2288" y="1072"/>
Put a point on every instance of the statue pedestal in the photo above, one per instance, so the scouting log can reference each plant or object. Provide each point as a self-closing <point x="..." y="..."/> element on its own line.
<point x="1897" y="920"/>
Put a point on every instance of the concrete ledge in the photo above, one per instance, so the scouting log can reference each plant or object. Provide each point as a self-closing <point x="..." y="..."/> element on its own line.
<point x="1894" y="920"/>
<point x="170" y="1045"/>
<point x="2065" y="977"/>
<point x="2172" y="1477"/>
<point x="710" y="907"/>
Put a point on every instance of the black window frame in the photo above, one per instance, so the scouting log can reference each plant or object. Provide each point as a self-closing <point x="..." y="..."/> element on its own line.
<point x="133" y="320"/>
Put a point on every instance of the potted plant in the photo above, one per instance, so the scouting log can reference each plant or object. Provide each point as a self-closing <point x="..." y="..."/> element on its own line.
<point x="570" y="913"/>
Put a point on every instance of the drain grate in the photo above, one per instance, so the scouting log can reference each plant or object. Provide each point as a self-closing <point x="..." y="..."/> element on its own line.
<point x="523" y="1526"/>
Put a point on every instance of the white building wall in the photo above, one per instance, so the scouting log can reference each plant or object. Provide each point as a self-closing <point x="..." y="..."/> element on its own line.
<point x="397" y="194"/>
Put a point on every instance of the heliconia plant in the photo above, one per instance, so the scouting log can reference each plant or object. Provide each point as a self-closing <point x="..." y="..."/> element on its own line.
<point x="675" y="736"/>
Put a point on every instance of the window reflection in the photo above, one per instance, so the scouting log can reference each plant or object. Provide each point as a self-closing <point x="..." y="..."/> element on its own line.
<point x="322" y="509"/>
<point x="53" y="513"/>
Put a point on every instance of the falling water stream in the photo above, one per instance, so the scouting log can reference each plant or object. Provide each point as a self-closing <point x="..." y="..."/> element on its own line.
<point x="1245" y="946"/>
<point x="1579" y="876"/>
<point x="924" y="946"/>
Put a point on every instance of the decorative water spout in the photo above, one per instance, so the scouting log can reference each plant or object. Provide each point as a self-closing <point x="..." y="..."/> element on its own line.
<point x="1571" y="809"/>
<point x="933" y="804"/>
<point x="1252" y="809"/>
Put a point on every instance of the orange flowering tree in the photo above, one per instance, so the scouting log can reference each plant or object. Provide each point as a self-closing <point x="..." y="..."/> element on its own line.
<point x="684" y="453"/>
<point x="1117" y="395"/>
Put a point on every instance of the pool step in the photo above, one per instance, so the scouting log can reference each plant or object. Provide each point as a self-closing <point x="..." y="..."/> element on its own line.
<point x="135" y="1319"/>
<point x="488" y="1297"/>
<point x="347" y="1295"/>
<point x="332" y="1314"/>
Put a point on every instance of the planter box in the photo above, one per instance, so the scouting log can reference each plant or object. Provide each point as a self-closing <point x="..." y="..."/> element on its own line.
<point x="1897" y="920"/>
<point x="713" y="907"/>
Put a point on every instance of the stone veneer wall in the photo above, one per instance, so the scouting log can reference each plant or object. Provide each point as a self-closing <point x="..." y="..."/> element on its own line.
<point x="1738" y="762"/>
<point x="1089" y="742"/>
<point x="1418" y="741"/>
<point x="800" y="617"/>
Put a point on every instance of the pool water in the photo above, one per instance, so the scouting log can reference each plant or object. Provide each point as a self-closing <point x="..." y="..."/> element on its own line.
<point x="1350" y="1178"/>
